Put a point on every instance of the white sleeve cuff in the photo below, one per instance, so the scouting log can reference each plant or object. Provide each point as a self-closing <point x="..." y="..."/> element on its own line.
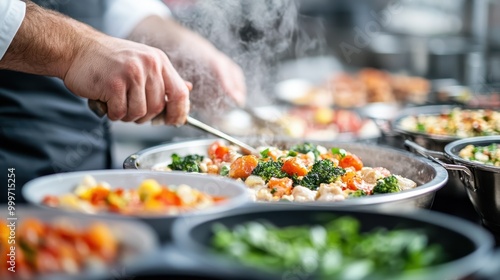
<point x="12" y="14"/>
<point x="123" y="15"/>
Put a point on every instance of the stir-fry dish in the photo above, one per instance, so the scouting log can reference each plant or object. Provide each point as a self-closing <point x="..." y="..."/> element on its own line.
<point x="484" y="154"/>
<point x="150" y="197"/>
<point x="59" y="246"/>
<point x="305" y="172"/>
<point x="336" y="250"/>
<point x="456" y="123"/>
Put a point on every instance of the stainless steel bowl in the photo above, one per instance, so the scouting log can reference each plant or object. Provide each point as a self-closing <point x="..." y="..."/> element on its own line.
<point x="59" y="184"/>
<point x="454" y="186"/>
<point x="467" y="245"/>
<point x="482" y="181"/>
<point x="429" y="141"/>
<point x="428" y="175"/>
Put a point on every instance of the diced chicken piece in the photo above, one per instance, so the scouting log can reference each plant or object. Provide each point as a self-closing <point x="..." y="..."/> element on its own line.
<point x="255" y="182"/>
<point x="303" y="194"/>
<point x="88" y="181"/>
<point x="404" y="183"/>
<point x="330" y="192"/>
<point x="186" y="194"/>
<point x="467" y="151"/>
<point x="287" y="197"/>
<point x="264" y="194"/>
<point x="203" y="167"/>
<point x="321" y="149"/>
<point x="383" y="171"/>
<point x="71" y="202"/>
<point x="481" y="157"/>
<point x="370" y="175"/>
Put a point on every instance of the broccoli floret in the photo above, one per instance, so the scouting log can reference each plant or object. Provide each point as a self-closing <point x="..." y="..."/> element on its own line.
<point x="265" y="153"/>
<point x="322" y="171"/>
<point x="387" y="185"/>
<point x="190" y="163"/>
<point x="358" y="193"/>
<point x="306" y="148"/>
<point x="224" y="170"/>
<point x="269" y="169"/>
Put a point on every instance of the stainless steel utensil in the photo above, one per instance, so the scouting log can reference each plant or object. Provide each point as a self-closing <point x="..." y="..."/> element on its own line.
<point x="100" y="109"/>
<point x="245" y="147"/>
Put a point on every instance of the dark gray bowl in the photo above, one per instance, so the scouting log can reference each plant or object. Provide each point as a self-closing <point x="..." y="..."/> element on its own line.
<point x="58" y="184"/>
<point x="466" y="244"/>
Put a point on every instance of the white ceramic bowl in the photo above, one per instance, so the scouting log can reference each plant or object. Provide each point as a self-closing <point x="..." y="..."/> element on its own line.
<point x="59" y="184"/>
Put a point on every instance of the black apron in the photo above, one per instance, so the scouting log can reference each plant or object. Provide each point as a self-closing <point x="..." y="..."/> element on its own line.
<point x="44" y="128"/>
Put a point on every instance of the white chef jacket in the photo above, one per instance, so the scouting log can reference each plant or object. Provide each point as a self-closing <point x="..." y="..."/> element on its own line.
<point x="119" y="20"/>
<point x="11" y="15"/>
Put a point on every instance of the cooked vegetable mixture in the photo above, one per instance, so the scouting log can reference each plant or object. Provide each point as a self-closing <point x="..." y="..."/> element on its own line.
<point x="305" y="172"/>
<point x="337" y="250"/>
<point x="149" y="198"/>
<point x="486" y="154"/>
<point x="58" y="246"/>
<point x="458" y="123"/>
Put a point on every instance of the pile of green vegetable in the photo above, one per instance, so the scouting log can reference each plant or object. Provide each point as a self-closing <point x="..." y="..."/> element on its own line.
<point x="337" y="250"/>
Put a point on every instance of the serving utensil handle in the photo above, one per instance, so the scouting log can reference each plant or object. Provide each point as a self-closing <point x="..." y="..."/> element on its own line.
<point x="100" y="109"/>
<point x="432" y="155"/>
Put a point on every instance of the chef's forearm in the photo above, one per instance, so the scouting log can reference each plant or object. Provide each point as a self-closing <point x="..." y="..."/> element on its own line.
<point x="45" y="43"/>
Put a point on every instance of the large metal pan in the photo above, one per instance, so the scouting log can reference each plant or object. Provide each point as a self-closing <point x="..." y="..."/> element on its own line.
<point x="454" y="187"/>
<point x="431" y="142"/>
<point x="482" y="181"/>
<point x="428" y="175"/>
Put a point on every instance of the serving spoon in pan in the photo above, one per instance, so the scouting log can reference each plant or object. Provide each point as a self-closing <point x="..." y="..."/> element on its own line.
<point x="100" y="109"/>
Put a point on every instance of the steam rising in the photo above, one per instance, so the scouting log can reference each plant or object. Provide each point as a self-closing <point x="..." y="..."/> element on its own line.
<point x="255" y="34"/>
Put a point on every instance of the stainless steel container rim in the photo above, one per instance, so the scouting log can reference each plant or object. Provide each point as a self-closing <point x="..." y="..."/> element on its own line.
<point x="482" y="239"/>
<point x="472" y="141"/>
<point x="439" y="180"/>
<point x="396" y="123"/>
<point x="443" y="139"/>
<point x="231" y="203"/>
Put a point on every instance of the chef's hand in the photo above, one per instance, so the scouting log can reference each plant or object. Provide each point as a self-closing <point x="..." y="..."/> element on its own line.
<point x="131" y="78"/>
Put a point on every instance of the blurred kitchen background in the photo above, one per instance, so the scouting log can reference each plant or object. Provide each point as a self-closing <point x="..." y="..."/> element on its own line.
<point x="448" y="42"/>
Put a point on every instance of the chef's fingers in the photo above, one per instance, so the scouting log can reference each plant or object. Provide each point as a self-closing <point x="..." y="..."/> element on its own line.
<point x="117" y="103"/>
<point x="189" y="85"/>
<point x="136" y="103"/>
<point x="177" y="97"/>
<point x="155" y="97"/>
